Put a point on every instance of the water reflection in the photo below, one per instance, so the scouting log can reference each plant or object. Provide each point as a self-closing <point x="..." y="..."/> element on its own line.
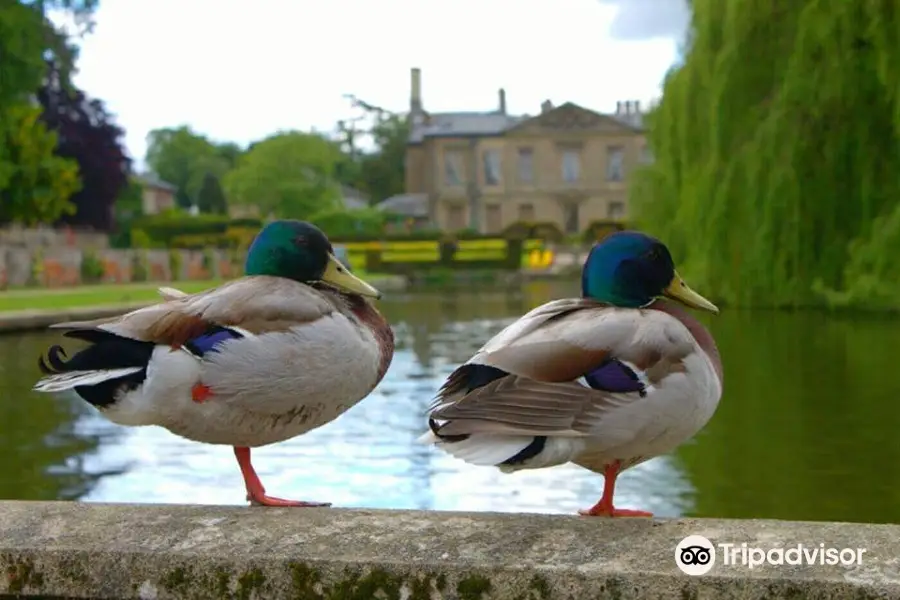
<point x="805" y="430"/>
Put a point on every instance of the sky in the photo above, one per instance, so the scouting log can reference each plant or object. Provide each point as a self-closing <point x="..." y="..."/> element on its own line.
<point x="240" y="70"/>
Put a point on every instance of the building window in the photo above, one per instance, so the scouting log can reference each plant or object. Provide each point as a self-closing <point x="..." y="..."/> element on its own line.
<point x="526" y="165"/>
<point x="615" y="210"/>
<point x="571" y="218"/>
<point x="571" y="165"/>
<point x="491" y="160"/>
<point x="456" y="217"/>
<point x="493" y="221"/>
<point x="615" y="163"/>
<point x="453" y="167"/>
<point x="526" y="212"/>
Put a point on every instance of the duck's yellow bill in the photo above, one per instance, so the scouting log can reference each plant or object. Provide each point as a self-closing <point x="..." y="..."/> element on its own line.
<point x="679" y="290"/>
<point x="337" y="275"/>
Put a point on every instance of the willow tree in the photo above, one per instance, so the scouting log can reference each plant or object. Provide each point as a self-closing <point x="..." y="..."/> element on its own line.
<point x="777" y="171"/>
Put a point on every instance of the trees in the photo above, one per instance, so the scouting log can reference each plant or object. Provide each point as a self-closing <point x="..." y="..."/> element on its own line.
<point x="88" y="135"/>
<point x="35" y="185"/>
<point x="184" y="157"/>
<point x="289" y="174"/>
<point x="775" y="149"/>
<point x="211" y="198"/>
<point x="380" y="173"/>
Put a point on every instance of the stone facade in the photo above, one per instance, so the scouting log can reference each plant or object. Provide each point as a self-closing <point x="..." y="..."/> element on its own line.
<point x="567" y="165"/>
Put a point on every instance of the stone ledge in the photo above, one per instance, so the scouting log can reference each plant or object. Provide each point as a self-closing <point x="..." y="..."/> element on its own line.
<point x="29" y="320"/>
<point x="68" y="549"/>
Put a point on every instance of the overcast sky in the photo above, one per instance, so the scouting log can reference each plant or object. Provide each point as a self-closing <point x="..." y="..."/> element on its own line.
<point x="240" y="70"/>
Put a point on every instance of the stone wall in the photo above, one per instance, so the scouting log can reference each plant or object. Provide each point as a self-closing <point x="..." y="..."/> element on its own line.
<point x="78" y="550"/>
<point x="48" y="237"/>
<point x="56" y="266"/>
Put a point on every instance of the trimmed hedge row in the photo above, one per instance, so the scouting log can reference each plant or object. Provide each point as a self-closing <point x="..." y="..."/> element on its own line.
<point x="176" y="230"/>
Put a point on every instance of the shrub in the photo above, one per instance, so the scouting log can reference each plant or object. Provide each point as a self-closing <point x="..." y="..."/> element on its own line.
<point x="91" y="267"/>
<point x="140" y="239"/>
<point x="598" y="230"/>
<point x="139" y="268"/>
<point x="176" y="261"/>
<point x="163" y="228"/>
<point x="37" y="267"/>
<point x="342" y="222"/>
<point x="543" y="230"/>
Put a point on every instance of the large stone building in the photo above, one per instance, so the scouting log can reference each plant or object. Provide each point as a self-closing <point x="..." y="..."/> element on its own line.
<point x="486" y="170"/>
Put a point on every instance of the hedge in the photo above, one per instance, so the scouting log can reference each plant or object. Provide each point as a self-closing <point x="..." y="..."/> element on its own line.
<point x="179" y="230"/>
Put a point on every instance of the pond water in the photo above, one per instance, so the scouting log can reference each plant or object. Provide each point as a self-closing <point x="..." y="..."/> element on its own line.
<point x="807" y="429"/>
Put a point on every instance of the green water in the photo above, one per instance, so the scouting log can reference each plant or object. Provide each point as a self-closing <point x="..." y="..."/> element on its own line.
<point x="805" y="430"/>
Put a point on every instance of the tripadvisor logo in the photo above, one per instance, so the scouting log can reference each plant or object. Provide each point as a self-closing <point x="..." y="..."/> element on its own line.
<point x="696" y="555"/>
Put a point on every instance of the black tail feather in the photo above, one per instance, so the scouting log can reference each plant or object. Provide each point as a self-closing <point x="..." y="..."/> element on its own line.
<point x="56" y="364"/>
<point x="106" y="351"/>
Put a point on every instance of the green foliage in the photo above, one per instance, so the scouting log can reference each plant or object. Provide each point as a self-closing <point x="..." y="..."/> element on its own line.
<point x="37" y="267"/>
<point x="184" y="158"/>
<point x="181" y="230"/>
<point x="338" y="222"/>
<point x="872" y="271"/>
<point x="91" y="267"/>
<point x="139" y="268"/>
<point x="381" y="173"/>
<point x="21" y="46"/>
<point x="209" y="260"/>
<point x="775" y="149"/>
<point x="598" y="230"/>
<point x="288" y="175"/>
<point x="35" y="184"/>
<point x="140" y="239"/>
<point x="176" y="262"/>
<point x="130" y="202"/>
<point x="211" y="198"/>
<point x="522" y="230"/>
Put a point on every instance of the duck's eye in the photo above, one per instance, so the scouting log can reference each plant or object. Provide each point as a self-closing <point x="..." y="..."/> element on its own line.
<point x="654" y="254"/>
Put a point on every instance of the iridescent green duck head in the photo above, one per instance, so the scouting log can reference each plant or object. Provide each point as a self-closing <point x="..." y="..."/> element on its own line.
<point x="300" y="251"/>
<point x="631" y="269"/>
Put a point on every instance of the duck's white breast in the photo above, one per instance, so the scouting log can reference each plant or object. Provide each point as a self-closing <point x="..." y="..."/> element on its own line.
<point x="671" y="413"/>
<point x="266" y="388"/>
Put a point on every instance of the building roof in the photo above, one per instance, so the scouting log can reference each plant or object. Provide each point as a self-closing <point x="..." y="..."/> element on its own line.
<point x="353" y="199"/>
<point x="475" y="124"/>
<point x="152" y="180"/>
<point x="410" y="205"/>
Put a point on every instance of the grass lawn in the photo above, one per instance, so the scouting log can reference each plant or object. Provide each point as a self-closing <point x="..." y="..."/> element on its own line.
<point x="92" y="295"/>
<point x="98" y="295"/>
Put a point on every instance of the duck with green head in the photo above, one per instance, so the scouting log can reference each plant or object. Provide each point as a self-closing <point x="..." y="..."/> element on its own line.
<point x="605" y="381"/>
<point x="258" y="360"/>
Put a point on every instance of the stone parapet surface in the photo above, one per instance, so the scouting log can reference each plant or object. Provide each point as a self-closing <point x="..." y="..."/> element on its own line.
<point x="81" y="550"/>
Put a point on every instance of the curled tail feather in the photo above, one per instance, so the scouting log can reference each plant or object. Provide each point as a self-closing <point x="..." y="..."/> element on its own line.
<point x="98" y="372"/>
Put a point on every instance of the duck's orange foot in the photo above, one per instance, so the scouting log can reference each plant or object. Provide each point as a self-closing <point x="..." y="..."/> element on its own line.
<point x="263" y="500"/>
<point x="200" y="393"/>
<point x="603" y="511"/>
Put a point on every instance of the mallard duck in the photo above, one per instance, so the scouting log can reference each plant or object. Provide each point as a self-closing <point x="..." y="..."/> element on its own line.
<point x="605" y="381"/>
<point x="255" y="361"/>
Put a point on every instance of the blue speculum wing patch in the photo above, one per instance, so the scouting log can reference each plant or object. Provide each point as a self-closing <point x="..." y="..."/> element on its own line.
<point x="615" y="376"/>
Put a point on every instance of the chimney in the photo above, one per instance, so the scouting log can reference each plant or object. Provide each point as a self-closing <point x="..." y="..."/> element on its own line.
<point x="637" y="107"/>
<point x="546" y="106"/>
<point x="502" y="95"/>
<point x="618" y="107"/>
<point x="415" y="90"/>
